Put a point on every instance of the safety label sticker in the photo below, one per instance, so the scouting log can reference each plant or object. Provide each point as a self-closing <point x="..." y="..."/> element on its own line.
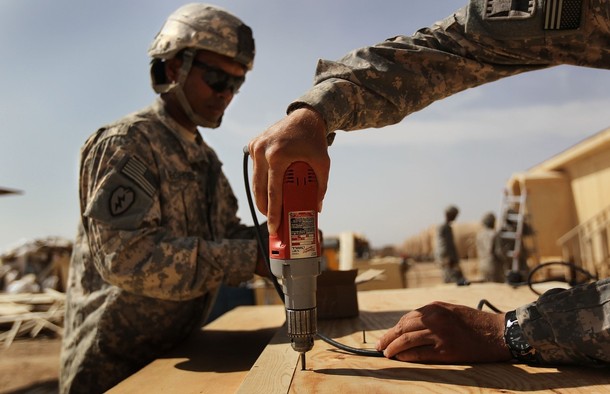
<point x="302" y="234"/>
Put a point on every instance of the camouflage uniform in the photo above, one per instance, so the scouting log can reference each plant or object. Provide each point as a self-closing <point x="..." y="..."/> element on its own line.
<point x="480" y="43"/>
<point x="491" y="265"/>
<point x="447" y="254"/>
<point x="380" y="85"/>
<point x="570" y="326"/>
<point x="159" y="234"/>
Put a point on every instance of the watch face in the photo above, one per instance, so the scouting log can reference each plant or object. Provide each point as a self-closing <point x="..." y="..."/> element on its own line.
<point x="521" y="344"/>
<point x="515" y="338"/>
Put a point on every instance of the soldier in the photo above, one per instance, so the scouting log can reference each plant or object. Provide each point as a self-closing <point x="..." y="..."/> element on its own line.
<point x="379" y="85"/>
<point x="446" y="251"/>
<point x="493" y="264"/>
<point x="159" y="232"/>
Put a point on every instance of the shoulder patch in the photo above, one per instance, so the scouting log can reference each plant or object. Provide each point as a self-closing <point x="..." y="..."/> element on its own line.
<point x="562" y="14"/>
<point x="136" y="170"/>
<point x="509" y="9"/>
<point x="121" y="199"/>
<point x="124" y="196"/>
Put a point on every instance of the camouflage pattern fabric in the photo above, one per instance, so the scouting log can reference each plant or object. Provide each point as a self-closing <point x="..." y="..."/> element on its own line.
<point x="570" y="326"/>
<point x="158" y="235"/>
<point x="492" y="267"/>
<point x="480" y="43"/>
<point x="485" y="41"/>
<point x="204" y="27"/>
<point x="447" y="255"/>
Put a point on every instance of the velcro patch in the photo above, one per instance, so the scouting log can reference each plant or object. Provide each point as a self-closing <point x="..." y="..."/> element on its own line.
<point x="509" y="9"/>
<point x="124" y="196"/>
<point x="135" y="170"/>
<point x="562" y="14"/>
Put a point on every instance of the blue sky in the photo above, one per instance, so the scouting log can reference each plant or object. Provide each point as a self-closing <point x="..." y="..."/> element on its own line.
<point x="70" y="66"/>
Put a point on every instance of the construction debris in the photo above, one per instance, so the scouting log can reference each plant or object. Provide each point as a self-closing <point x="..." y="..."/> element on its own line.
<point x="35" y="265"/>
<point x="33" y="277"/>
<point x="27" y="314"/>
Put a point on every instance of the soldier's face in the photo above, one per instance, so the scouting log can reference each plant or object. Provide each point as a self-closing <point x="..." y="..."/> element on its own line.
<point x="212" y="83"/>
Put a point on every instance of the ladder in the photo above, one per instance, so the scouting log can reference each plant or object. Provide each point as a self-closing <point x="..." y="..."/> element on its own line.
<point x="512" y="225"/>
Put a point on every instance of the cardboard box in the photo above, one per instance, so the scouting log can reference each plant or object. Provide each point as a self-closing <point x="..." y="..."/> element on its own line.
<point x="336" y="294"/>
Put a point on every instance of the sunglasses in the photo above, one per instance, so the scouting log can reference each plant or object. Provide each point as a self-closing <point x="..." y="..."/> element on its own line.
<point x="218" y="79"/>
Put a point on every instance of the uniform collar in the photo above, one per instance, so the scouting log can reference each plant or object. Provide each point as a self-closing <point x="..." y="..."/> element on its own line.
<point x="192" y="143"/>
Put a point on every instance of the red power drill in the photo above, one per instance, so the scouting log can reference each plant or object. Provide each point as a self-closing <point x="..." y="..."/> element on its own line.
<point x="295" y="254"/>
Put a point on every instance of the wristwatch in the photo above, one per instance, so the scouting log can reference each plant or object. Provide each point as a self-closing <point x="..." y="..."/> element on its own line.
<point x="516" y="342"/>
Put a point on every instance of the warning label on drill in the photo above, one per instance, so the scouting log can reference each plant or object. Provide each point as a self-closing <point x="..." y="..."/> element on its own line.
<point x="302" y="234"/>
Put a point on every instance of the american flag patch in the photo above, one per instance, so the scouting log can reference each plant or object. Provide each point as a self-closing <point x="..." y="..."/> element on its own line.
<point x="135" y="170"/>
<point x="562" y="14"/>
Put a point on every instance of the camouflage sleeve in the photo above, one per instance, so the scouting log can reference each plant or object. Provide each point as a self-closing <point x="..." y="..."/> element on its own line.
<point x="570" y="326"/>
<point x="444" y="243"/>
<point x="137" y="248"/>
<point x="240" y="246"/>
<point x="487" y="40"/>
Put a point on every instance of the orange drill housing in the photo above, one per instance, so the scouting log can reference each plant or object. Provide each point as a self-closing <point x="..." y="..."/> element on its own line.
<point x="297" y="236"/>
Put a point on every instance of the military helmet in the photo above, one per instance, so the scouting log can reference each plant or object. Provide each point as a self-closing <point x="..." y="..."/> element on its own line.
<point x="204" y="26"/>
<point x="451" y="212"/>
<point x="489" y="220"/>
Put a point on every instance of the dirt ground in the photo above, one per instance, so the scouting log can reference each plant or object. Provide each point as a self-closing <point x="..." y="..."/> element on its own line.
<point x="30" y="366"/>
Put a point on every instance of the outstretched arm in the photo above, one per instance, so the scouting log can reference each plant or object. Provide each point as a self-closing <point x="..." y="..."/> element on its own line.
<point x="379" y="85"/>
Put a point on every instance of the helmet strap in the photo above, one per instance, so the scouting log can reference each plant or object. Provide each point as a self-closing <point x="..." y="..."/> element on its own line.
<point x="187" y="62"/>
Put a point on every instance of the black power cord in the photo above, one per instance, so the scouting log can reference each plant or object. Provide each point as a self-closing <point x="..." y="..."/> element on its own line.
<point x="573" y="268"/>
<point x="265" y="253"/>
<point x="530" y="283"/>
<point x="484" y="302"/>
<point x="259" y="236"/>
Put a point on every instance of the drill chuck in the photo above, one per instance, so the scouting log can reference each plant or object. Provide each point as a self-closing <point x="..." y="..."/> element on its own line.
<point x="302" y="327"/>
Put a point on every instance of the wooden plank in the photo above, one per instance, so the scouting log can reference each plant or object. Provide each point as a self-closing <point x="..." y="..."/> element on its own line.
<point x="333" y="370"/>
<point x="214" y="359"/>
<point x="339" y="372"/>
<point x="273" y="371"/>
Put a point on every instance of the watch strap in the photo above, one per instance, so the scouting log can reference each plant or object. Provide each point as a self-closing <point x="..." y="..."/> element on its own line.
<point x="516" y="342"/>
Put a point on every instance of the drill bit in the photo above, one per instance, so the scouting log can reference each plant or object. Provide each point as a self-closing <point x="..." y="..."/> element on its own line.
<point x="303" y="363"/>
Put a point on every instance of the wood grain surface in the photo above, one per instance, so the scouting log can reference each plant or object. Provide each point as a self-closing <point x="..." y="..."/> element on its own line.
<point x="332" y="370"/>
<point x="215" y="359"/>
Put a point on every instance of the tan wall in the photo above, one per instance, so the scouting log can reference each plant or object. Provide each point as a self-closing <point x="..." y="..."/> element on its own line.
<point x="587" y="165"/>
<point x="591" y="184"/>
<point x="550" y="207"/>
<point x="566" y="191"/>
<point x="591" y="190"/>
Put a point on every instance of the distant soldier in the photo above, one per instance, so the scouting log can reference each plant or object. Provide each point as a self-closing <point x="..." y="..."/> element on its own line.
<point x="489" y="251"/>
<point x="446" y="252"/>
